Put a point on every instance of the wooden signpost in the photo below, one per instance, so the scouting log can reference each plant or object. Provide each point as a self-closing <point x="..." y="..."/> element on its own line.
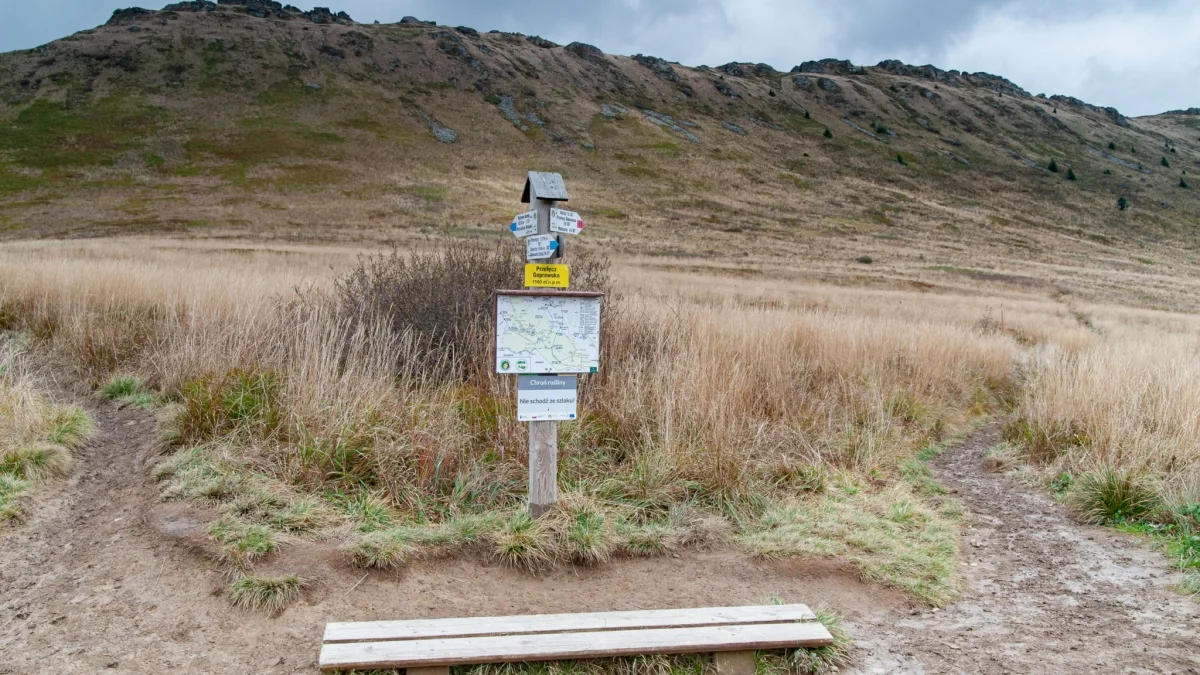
<point x="544" y="248"/>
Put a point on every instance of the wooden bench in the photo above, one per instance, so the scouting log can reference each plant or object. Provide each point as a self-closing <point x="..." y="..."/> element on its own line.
<point x="431" y="646"/>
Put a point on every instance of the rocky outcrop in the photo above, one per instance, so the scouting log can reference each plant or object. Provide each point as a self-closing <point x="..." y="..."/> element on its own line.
<point x="465" y="30"/>
<point x="659" y="66"/>
<point x="542" y="42"/>
<point x="927" y="72"/>
<point x="828" y="84"/>
<point x="802" y="82"/>
<point x="830" y="67"/>
<point x="586" y="52"/>
<point x="747" y="69"/>
<point x="1072" y="102"/>
<point x="322" y="15"/>
<point x="995" y="83"/>
<point x="725" y="89"/>
<point x="126" y="16"/>
<point x="1189" y="111"/>
<point x="193" y="6"/>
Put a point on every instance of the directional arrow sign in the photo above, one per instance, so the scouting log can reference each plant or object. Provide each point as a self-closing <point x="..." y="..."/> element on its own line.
<point x="567" y="222"/>
<point x="540" y="246"/>
<point x="524" y="224"/>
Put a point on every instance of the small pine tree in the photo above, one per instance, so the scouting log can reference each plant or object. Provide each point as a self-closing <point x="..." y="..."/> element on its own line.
<point x="1133" y="150"/>
<point x="807" y="116"/>
<point x="900" y="160"/>
<point x="1166" y="163"/>
<point x="1122" y="203"/>
<point x="1053" y="166"/>
<point x="828" y="134"/>
<point x="1112" y="146"/>
<point x="1070" y="173"/>
<point x="1183" y="183"/>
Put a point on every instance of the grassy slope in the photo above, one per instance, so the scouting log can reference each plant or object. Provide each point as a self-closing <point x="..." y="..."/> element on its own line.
<point x="207" y="123"/>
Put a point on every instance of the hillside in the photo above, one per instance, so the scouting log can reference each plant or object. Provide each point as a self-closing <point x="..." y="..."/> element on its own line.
<point x="252" y="119"/>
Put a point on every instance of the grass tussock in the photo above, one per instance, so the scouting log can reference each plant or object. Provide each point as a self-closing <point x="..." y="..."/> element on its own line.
<point x="264" y="593"/>
<point x="1111" y="496"/>
<point x="128" y="390"/>
<point x="36" y="435"/>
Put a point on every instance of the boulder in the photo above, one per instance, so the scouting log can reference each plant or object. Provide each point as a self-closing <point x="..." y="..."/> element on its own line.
<point x="802" y="82"/>
<point x="660" y="67"/>
<point x="734" y="69"/>
<point x="996" y="83"/>
<point x="585" y="51"/>
<point x="828" y="84"/>
<point x="927" y="71"/>
<point x="725" y="89"/>
<point x="469" y="32"/>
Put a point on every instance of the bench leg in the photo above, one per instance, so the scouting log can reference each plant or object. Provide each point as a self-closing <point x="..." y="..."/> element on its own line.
<point x="432" y="670"/>
<point x="734" y="663"/>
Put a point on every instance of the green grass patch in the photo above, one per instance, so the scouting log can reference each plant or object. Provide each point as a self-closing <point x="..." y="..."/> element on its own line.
<point x="11" y="489"/>
<point x="47" y="135"/>
<point x="891" y="535"/>
<point x="129" y="390"/>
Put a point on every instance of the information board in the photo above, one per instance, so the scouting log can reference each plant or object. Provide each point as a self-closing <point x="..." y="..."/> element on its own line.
<point x="544" y="332"/>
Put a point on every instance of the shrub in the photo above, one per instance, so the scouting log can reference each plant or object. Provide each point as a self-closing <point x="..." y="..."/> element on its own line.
<point x="1112" y="496"/>
<point x="1122" y="203"/>
<point x="807" y="116"/>
<point x="444" y="299"/>
<point x="269" y="594"/>
<point x="1070" y="173"/>
<point x="828" y="133"/>
<point x="1166" y="163"/>
<point x="1112" y="146"/>
<point x="900" y="160"/>
<point x="1053" y="166"/>
<point x="864" y="259"/>
<point x="1183" y="183"/>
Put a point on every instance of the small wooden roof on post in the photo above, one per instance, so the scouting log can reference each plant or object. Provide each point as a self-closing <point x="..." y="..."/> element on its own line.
<point x="541" y="185"/>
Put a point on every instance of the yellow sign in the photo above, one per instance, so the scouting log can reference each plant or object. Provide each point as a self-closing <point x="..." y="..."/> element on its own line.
<point x="546" y="276"/>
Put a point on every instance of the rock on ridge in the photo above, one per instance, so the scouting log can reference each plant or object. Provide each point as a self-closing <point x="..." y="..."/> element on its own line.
<point x="995" y="83"/>
<point x="1110" y="112"/>
<point x="830" y="67"/>
<point x="927" y="72"/>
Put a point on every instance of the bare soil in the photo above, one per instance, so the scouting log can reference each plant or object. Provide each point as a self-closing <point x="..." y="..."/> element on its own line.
<point x="1042" y="593"/>
<point x="102" y="577"/>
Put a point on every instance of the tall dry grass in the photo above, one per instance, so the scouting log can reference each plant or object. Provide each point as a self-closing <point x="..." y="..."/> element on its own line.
<point x="738" y="397"/>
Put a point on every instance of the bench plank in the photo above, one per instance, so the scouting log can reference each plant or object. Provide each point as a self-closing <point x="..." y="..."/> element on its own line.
<point x="557" y="646"/>
<point x="365" y="631"/>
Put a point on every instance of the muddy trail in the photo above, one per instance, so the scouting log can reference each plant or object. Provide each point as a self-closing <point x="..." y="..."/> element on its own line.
<point x="103" y="577"/>
<point x="1042" y="593"/>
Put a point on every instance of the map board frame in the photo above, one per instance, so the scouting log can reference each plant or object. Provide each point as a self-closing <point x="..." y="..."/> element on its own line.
<point x="537" y="293"/>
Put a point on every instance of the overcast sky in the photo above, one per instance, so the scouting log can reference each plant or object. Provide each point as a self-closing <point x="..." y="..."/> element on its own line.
<point x="1142" y="56"/>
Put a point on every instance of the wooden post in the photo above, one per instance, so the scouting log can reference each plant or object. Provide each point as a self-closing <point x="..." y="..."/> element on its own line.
<point x="543" y="190"/>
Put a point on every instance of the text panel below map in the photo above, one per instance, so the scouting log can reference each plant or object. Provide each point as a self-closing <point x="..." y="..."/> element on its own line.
<point x="547" y="397"/>
<point x="542" y="332"/>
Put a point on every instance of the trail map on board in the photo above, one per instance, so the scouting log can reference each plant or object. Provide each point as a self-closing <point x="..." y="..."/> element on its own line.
<point x="547" y="334"/>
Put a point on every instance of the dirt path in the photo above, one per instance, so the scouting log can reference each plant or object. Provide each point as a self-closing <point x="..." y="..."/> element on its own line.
<point x="102" y="577"/>
<point x="1043" y="594"/>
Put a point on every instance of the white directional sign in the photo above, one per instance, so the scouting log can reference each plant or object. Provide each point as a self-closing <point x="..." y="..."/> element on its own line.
<point x="524" y="224"/>
<point x="540" y="246"/>
<point x="567" y="222"/>
<point x="547" y="397"/>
